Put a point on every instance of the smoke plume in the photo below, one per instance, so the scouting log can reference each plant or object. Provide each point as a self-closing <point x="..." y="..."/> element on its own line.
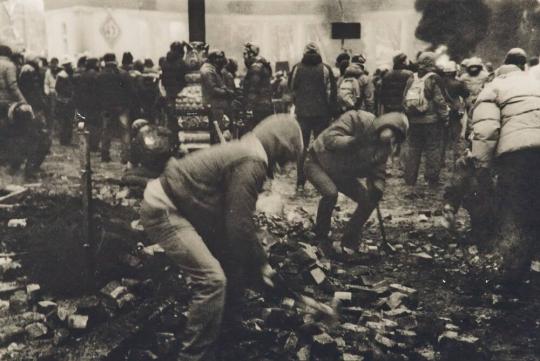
<point x="458" y="24"/>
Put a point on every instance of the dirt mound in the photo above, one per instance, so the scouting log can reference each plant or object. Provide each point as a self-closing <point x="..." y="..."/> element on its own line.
<point x="50" y="246"/>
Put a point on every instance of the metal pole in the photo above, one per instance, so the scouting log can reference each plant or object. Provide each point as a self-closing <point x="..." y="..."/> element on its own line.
<point x="86" y="192"/>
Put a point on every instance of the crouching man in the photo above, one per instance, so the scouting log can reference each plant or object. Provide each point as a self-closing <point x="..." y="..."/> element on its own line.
<point x="23" y="138"/>
<point x="506" y="138"/>
<point x="200" y="210"/>
<point x="353" y="148"/>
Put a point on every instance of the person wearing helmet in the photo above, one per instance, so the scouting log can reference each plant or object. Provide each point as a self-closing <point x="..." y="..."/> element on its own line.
<point x="456" y="92"/>
<point x="475" y="77"/>
<point x="65" y="107"/>
<point x="215" y="93"/>
<point x="257" y="85"/>
<point x="354" y="147"/>
<point x="200" y="210"/>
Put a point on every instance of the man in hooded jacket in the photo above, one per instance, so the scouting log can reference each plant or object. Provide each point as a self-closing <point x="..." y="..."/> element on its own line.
<point x="354" y="147"/>
<point x="426" y="134"/>
<point x="201" y="212"/>
<point x="313" y="86"/>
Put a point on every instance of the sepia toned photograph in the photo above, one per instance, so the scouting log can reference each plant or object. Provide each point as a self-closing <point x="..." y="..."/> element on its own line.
<point x="269" y="180"/>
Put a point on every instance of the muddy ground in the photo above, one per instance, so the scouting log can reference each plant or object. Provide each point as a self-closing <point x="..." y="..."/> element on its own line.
<point x="450" y="310"/>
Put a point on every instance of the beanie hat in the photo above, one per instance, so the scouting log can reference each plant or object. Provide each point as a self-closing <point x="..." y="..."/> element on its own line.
<point x="516" y="56"/>
<point x="251" y="49"/>
<point x="400" y="59"/>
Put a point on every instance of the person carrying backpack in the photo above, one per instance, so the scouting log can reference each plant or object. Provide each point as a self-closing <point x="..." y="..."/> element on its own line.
<point x="348" y="92"/>
<point x="427" y="110"/>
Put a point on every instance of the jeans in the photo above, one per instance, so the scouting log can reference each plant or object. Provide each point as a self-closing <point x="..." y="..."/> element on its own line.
<point x="427" y="139"/>
<point x="329" y="187"/>
<point x="184" y="246"/>
<point x="309" y="125"/>
<point x="109" y="118"/>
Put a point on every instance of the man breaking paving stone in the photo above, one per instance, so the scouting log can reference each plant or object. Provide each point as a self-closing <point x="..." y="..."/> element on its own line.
<point x="200" y="210"/>
<point x="354" y="148"/>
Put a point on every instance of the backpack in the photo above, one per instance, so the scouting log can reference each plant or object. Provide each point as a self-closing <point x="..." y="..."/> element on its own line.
<point x="415" y="99"/>
<point x="348" y="92"/>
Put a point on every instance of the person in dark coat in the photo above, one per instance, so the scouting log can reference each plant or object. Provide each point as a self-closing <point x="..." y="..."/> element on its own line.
<point x="115" y="91"/>
<point x="173" y="80"/>
<point x="87" y="103"/>
<point x="313" y="88"/>
<point x="31" y="86"/>
<point x="215" y="93"/>
<point x="257" y="85"/>
<point x="200" y="210"/>
<point x="393" y="85"/>
<point x="9" y="87"/>
<point x="65" y="107"/>
<point x="354" y="147"/>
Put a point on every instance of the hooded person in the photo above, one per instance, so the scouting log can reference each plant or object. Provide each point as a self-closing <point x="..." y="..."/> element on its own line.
<point x="354" y="147"/>
<point x="313" y="88"/>
<point x="200" y="210"/>
<point x="427" y="110"/>
<point x="475" y="77"/>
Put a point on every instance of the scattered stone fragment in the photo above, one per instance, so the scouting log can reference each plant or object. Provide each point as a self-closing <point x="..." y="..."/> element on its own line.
<point x="288" y="303"/>
<point x="351" y="357"/>
<point x="36" y="330"/>
<point x="143" y="355"/>
<point x="9" y="287"/>
<point x="114" y="290"/>
<point x="18" y="302"/>
<point x="46" y="307"/>
<point x="324" y="345"/>
<point x="17" y="223"/>
<point x="10" y="333"/>
<point x="65" y="310"/>
<point x="125" y="300"/>
<point x="136" y="225"/>
<point x="153" y="250"/>
<point x="60" y="336"/>
<point x="32" y="290"/>
<point x="403" y="289"/>
<point x="304" y="354"/>
<point x="165" y="343"/>
<point x="395" y="300"/>
<point x="317" y="275"/>
<point x="355" y="328"/>
<point x="77" y="322"/>
<point x="291" y="342"/>
<point x="385" y="341"/>
<point x="535" y="266"/>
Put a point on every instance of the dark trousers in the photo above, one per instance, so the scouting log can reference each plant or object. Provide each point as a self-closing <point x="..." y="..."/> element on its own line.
<point x="329" y="187"/>
<point x="65" y="113"/>
<point x="519" y="229"/>
<point x="309" y="126"/>
<point x="110" y="118"/>
<point x="424" y="139"/>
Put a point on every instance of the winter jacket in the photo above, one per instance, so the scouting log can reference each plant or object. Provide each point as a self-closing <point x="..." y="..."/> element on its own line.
<point x="228" y="79"/>
<point x="456" y="92"/>
<point x="31" y="86"/>
<point x="475" y="84"/>
<point x="64" y="87"/>
<point x="173" y="76"/>
<point x="313" y="86"/>
<point x="350" y="147"/>
<point x="214" y="91"/>
<point x="9" y="89"/>
<point x="257" y="85"/>
<point x="115" y="88"/>
<point x="367" y="93"/>
<point x="86" y="92"/>
<point x="49" y="84"/>
<point x="216" y="189"/>
<point x="392" y="88"/>
<point x="434" y="93"/>
<point x="506" y="115"/>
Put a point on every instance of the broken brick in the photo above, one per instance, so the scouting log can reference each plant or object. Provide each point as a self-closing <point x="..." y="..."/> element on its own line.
<point x="291" y="342"/>
<point x="32" y="290"/>
<point x="46" y="307"/>
<point x="36" y="330"/>
<point x="10" y="333"/>
<point x="77" y="322"/>
<point x="18" y="302"/>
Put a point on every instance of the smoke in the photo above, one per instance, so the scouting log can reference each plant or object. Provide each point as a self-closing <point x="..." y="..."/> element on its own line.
<point x="458" y="24"/>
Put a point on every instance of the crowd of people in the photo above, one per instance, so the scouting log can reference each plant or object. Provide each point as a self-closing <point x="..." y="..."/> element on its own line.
<point x="339" y="123"/>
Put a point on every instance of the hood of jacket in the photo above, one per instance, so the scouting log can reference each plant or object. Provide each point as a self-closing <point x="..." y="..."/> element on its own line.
<point x="396" y="121"/>
<point x="281" y="138"/>
<point x="506" y="69"/>
<point x="311" y="59"/>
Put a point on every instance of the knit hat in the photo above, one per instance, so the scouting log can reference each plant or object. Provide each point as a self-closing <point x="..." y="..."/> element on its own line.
<point x="312" y="48"/>
<point x="400" y="59"/>
<point x="281" y="138"/>
<point x="426" y="61"/>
